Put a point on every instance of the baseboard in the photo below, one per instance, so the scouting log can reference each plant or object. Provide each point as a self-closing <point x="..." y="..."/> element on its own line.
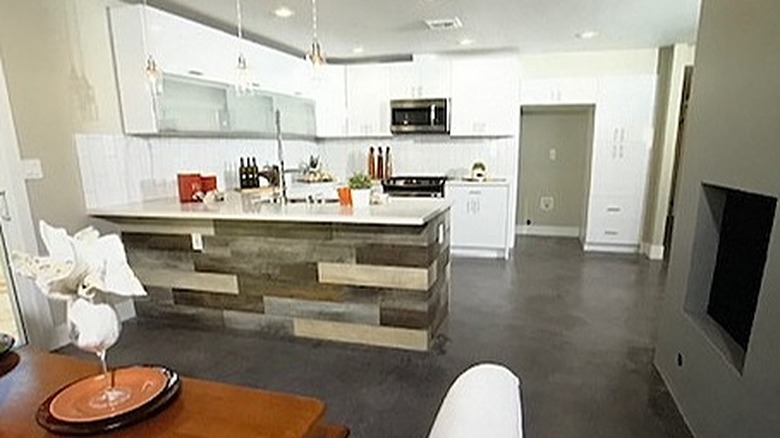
<point x="547" y="230"/>
<point x="483" y="253"/>
<point x="653" y="252"/>
<point x="613" y="248"/>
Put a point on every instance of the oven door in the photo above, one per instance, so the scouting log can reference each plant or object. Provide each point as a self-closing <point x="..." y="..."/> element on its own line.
<point x="419" y="116"/>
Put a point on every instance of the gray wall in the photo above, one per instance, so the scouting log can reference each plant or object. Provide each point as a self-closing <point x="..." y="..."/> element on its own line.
<point x="568" y="130"/>
<point x="733" y="139"/>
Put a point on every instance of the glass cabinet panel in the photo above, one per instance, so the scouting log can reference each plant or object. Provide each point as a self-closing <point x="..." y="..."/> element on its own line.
<point x="297" y="115"/>
<point x="188" y="105"/>
<point x="252" y="114"/>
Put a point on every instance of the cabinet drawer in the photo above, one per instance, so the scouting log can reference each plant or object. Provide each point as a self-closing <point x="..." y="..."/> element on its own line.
<point x="614" y="220"/>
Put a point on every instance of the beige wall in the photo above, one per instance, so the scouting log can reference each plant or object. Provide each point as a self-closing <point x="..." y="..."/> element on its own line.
<point x="60" y="80"/>
<point x="672" y="61"/>
<point x="588" y="64"/>
<point x="732" y="139"/>
<point x="567" y="131"/>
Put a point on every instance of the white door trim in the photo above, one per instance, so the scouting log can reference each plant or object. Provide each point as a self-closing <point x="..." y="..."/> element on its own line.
<point x="19" y="231"/>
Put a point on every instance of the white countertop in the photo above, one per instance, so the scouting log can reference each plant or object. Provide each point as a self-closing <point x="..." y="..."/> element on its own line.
<point x="398" y="211"/>
<point x="484" y="183"/>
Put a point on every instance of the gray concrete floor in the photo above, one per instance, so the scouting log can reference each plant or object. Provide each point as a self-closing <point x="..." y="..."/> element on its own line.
<point x="577" y="329"/>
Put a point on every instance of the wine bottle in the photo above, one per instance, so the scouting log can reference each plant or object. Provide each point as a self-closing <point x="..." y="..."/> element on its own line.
<point x="255" y="174"/>
<point x="371" y="163"/>
<point x="242" y="174"/>
<point x="388" y="163"/>
<point x="380" y="166"/>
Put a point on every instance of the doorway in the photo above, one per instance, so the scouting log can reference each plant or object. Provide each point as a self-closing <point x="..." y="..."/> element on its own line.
<point x="678" y="151"/>
<point x="10" y="320"/>
<point x="554" y="178"/>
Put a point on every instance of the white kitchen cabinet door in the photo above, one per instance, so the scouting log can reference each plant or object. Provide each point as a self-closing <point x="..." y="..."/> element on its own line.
<point x="403" y="80"/>
<point x="485" y="97"/>
<point x="423" y="79"/>
<point x="479" y="216"/>
<point x="368" y="100"/>
<point x="559" y="91"/>
<point x="330" y="93"/>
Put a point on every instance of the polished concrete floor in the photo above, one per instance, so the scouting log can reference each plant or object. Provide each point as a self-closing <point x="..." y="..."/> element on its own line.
<point x="577" y="329"/>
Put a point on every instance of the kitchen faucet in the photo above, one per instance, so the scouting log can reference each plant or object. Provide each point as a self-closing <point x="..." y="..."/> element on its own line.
<point x="280" y="153"/>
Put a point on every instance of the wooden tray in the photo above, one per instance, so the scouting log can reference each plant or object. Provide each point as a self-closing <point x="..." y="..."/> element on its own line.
<point x="146" y="410"/>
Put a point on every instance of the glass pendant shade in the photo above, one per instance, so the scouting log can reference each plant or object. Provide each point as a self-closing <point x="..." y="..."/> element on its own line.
<point x="316" y="56"/>
<point x="154" y="76"/>
<point x="244" y="85"/>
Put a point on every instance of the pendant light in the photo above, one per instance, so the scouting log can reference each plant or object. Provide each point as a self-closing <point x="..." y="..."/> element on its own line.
<point x="154" y="75"/>
<point x="316" y="56"/>
<point x="244" y="85"/>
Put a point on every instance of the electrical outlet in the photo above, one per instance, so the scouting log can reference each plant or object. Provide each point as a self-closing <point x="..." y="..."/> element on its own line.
<point x="32" y="169"/>
<point x="197" y="242"/>
<point x="553" y="154"/>
<point x="546" y="203"/>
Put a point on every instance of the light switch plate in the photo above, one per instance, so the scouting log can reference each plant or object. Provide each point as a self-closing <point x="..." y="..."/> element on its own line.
<point x="32" y="169"/>
<point x="553" y="154"/>
<point x="197" y="242"/>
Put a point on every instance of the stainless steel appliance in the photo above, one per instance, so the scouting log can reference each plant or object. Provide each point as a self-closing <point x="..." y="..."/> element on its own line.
<point x="420" y="116"/>
<point x="415" y="186"/>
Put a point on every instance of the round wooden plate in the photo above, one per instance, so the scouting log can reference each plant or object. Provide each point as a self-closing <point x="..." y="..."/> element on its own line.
<point x="72" y="404"/>
<point x="164" y="394"/>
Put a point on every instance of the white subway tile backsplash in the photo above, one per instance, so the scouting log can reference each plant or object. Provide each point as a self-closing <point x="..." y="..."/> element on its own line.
<point x="118" y="169"/>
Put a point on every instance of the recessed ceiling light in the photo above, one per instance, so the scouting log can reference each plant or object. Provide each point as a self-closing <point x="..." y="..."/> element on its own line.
<point x="284" y="12"/>
<point x="588" y="34"/>
<point x="466" y="42"/>
<point x="358" y="50"/>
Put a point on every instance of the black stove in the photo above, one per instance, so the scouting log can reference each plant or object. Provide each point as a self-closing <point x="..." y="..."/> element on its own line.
<point x="415" y="186"/>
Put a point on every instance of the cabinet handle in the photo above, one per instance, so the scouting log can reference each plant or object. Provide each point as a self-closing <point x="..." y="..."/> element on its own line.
<point x="5" y="212"/>
<point x="195" y="72"/>
<point x="621" y="150"/>
<point x="611" y="233"/>
<point x="475" y="192"/>
<point x="614" y="209"/>
<point x="614" y="151"/>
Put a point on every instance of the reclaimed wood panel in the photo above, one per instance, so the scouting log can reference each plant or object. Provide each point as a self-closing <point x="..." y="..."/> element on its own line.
<point x="218" y="301"/>
<point x="361" y="313"/>
<point x="293" y="230"/>
<point x="165" y="226"/>
<point x="186" y="315"/>
<point x="273" y="324"/>
<point x="260" y="287"/>
<point x="362" y="334"/>
<point x="216" y="283"/>
<point x="377" y="276"/>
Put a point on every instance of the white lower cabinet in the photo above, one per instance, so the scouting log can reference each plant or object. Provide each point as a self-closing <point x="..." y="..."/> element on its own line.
<point x="479" y="218"/>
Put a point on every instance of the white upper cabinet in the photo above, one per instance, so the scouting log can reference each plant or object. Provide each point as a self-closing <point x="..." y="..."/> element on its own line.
<point x="199" y="66"/>
<point x="559" y="91"/>
<point x="330" y="93"/>
<point x="420" y="79"/>
<point x="368" y="100"/>
<point x="485" y="97"/>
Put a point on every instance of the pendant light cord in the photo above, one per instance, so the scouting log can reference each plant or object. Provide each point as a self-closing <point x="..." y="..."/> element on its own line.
<point x="239" y="20"/>
<point x="314" y="19"/>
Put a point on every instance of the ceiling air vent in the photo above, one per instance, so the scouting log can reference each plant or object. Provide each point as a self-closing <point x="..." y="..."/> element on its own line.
<point x="444" y="24"/>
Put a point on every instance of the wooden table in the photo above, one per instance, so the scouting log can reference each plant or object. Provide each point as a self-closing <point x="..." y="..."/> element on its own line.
<point x="203" y="409"/>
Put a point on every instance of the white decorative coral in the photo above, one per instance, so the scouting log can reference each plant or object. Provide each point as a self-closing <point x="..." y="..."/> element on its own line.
<point x="79" y="266"/>
<point x="76" y="269"/>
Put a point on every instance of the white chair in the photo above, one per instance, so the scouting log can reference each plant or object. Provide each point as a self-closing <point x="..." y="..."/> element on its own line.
<point x="484" y="401"/>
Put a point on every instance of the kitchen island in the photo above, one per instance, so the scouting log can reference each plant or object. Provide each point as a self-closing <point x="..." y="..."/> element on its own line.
<point x="379" y="276"/>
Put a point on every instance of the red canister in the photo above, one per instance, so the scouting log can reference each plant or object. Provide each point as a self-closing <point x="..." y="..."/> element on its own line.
<point x="189" y="185"/>
<point x="208" y="183"/>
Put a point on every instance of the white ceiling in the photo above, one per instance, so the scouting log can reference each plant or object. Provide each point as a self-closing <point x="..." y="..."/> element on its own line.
<point x="388" y="27"/>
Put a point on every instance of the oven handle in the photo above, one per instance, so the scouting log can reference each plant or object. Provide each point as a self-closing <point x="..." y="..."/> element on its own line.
<point x="433" y="114"/>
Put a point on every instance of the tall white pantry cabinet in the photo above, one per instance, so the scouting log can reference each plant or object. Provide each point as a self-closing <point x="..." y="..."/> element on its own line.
<point x="622" y="141"/>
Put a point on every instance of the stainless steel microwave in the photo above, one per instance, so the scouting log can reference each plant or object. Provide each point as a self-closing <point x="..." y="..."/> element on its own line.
<point x="420" y="116"/>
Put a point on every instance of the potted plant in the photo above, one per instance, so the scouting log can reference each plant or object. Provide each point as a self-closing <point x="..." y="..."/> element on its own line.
<point x="360" y="186"/>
